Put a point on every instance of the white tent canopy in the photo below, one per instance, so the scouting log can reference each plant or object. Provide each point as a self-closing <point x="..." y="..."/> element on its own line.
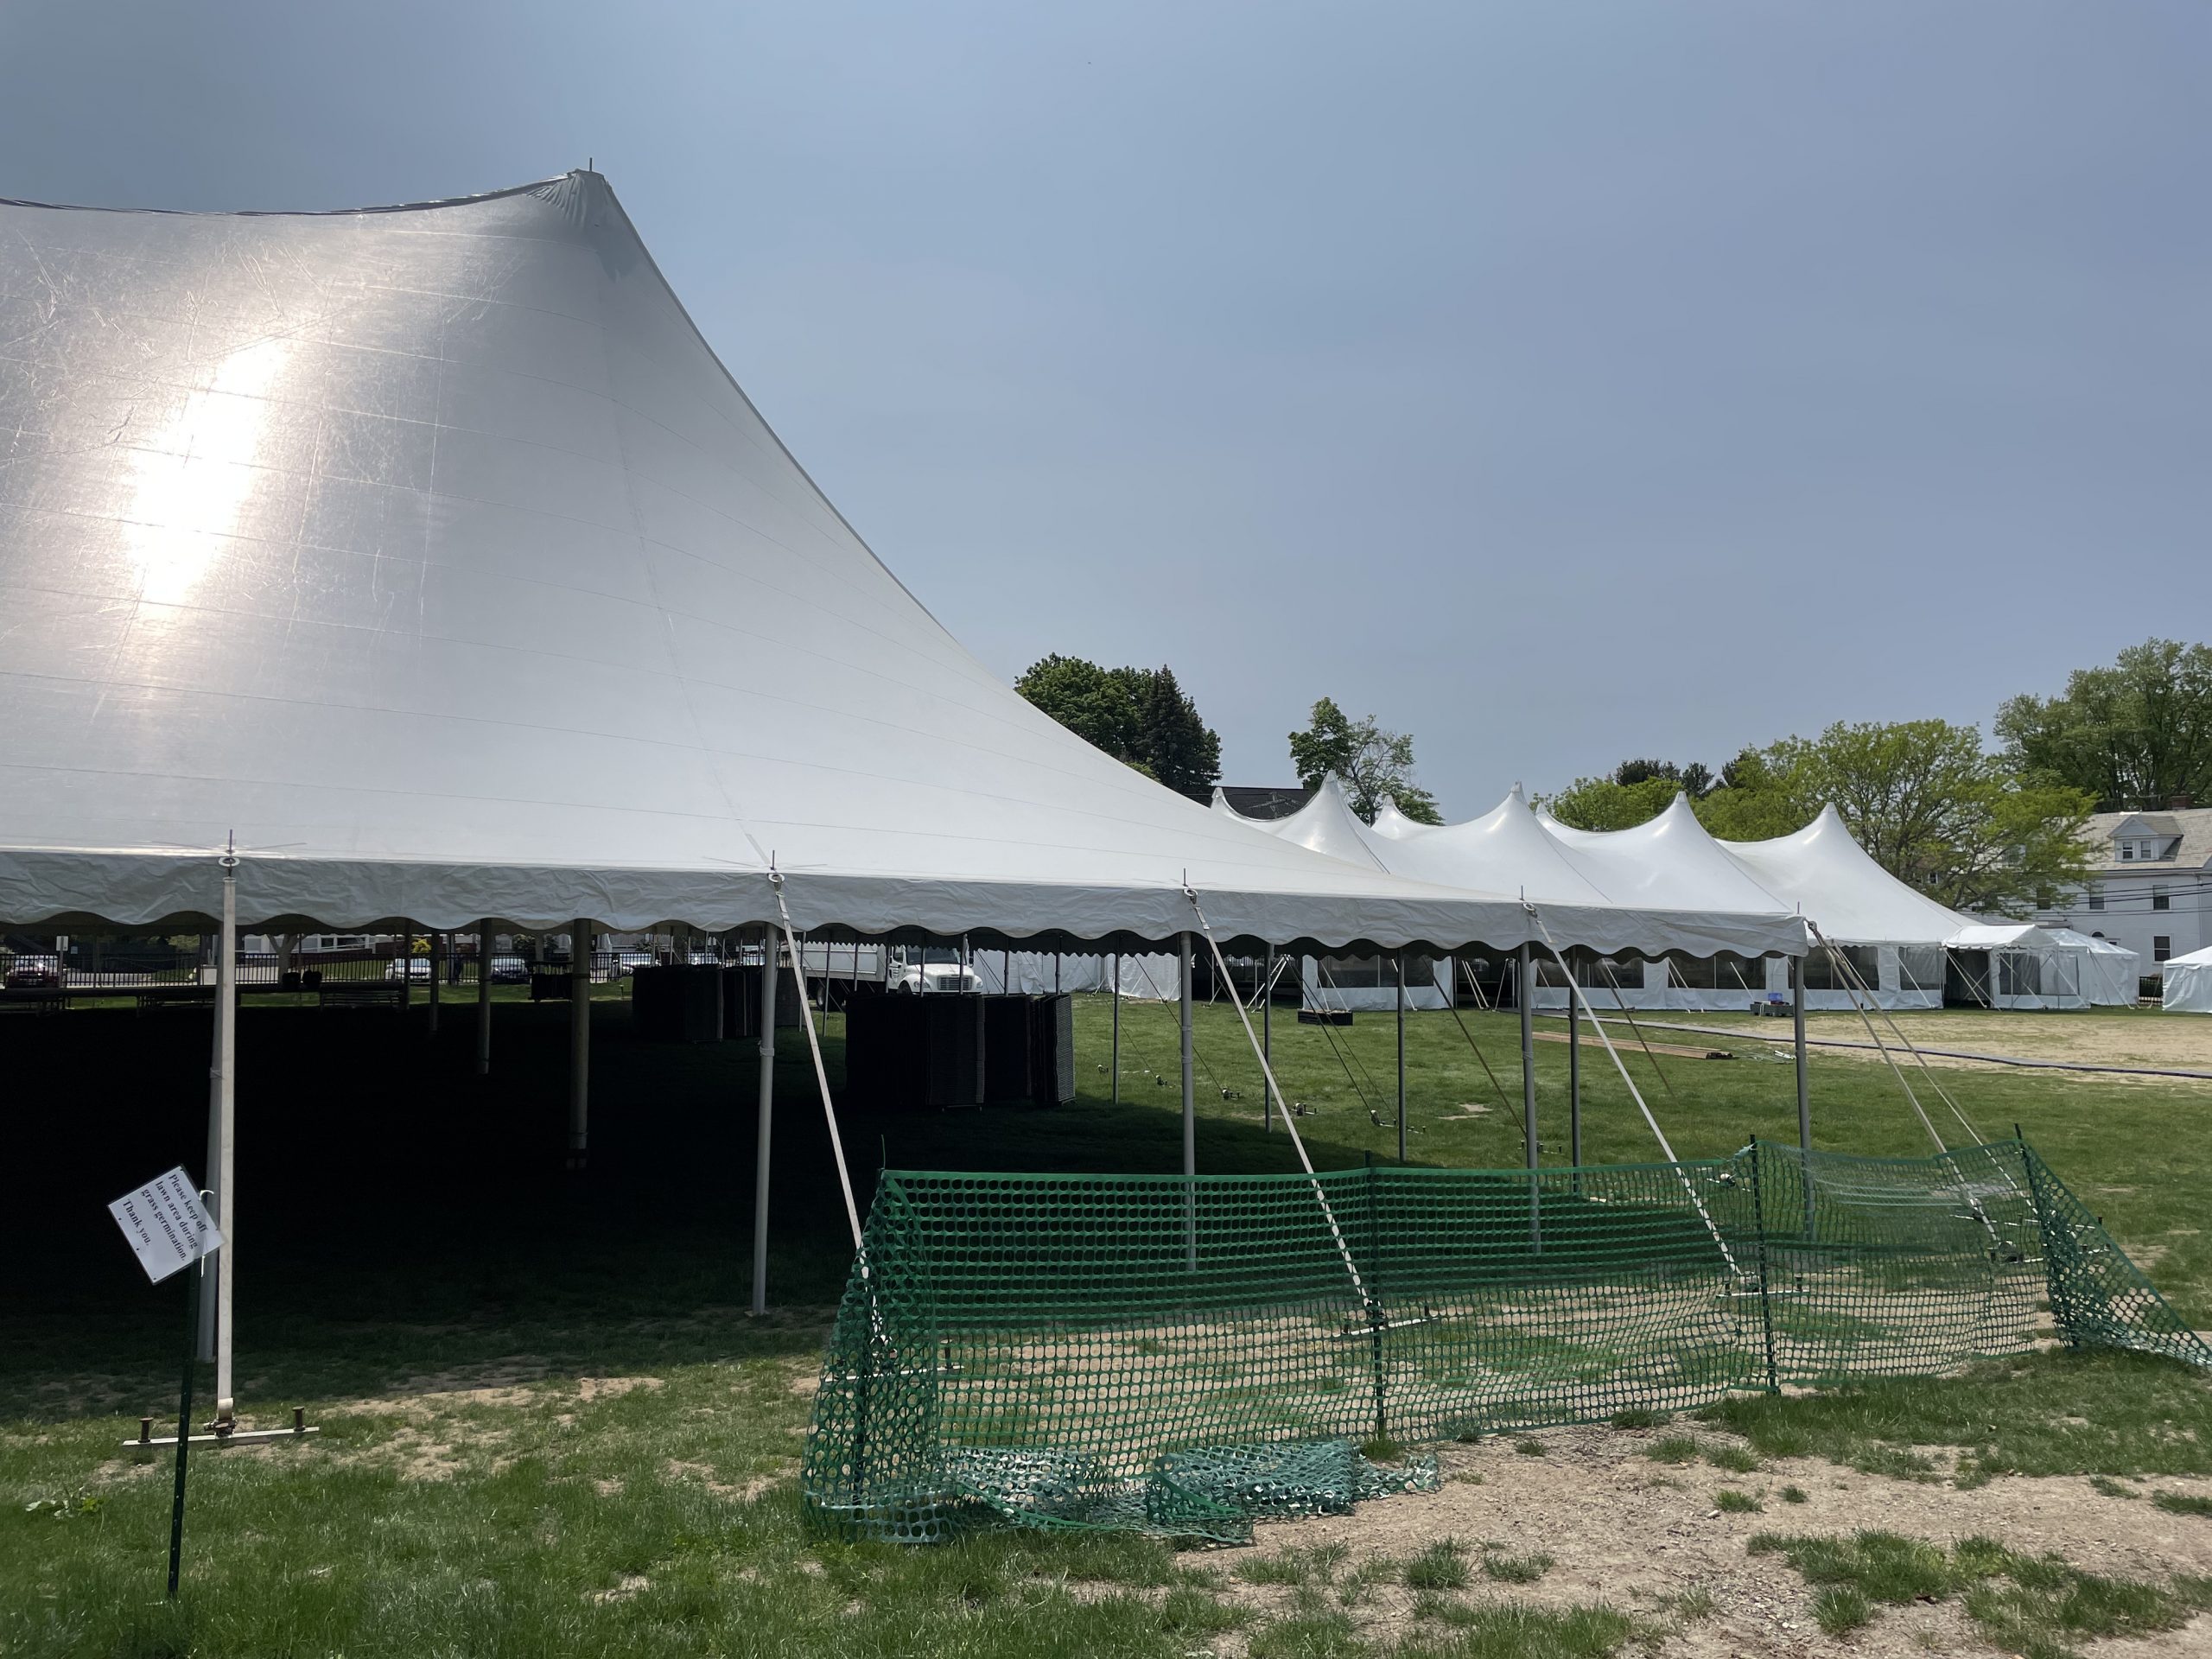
<point x="2189" y="983"/>
<point x="2112" y="975"/>
<point x="1508" y="850"/>
<point x="431" y="552"/>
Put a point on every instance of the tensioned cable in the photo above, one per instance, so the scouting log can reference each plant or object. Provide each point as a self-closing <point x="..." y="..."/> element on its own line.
<point x="1619" y="1002"/>
<point x="1850" y="974"/>
<point x="1574" y="991"/>
<point x="1329" y="979"/>
<point x="1484" y="1061"/>
<point x="1297" y="1141"/>
<point x="1176" y="1019"/>
<point x="814" y="1048"/>
<point x="1854" y="976"/>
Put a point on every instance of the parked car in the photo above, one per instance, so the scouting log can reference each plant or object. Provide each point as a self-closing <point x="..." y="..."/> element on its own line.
<point x="34" y="973"/>
<point x="416" y="970"/>
<point x="931" y="978"/>
<point x="510" y="970"/>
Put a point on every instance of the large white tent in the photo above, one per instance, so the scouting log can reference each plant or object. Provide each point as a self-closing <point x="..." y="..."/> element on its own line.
<point x="2189" y="983"/>
<point x="429" y="556"/>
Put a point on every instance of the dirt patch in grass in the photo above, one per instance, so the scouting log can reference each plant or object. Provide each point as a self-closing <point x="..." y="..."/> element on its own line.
<point x="1621" y="1531"/>
<point x="741" y="1491"/>
<point x="2084" y="1038"/>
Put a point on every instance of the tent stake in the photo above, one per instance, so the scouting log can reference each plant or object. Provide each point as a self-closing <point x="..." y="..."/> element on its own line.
<point x="764" y="1114"/>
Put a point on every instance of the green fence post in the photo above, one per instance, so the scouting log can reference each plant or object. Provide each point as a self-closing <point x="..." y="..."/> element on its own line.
<point x="1766" y="1305"/>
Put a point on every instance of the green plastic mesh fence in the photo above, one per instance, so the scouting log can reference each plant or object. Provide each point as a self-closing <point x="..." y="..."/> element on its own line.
<point x="1183" y="1357"/>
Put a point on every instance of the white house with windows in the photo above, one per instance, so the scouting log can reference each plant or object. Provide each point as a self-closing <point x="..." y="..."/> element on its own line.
<point x="2152" y="887"/>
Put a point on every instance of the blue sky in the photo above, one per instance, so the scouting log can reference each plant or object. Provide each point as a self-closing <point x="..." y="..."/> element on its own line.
<point x="1560" y="381"/>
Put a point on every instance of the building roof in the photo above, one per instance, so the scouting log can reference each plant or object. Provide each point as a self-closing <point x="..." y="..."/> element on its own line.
<point x="2191" y="826"/>
<point x="1266" y="801"/>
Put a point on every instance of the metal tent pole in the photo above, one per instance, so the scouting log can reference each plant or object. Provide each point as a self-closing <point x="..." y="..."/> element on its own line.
<point x="437" y="961"/>
<point x="579" y="1040"/>
<point x="1116" y="987"/>
<point x="483" y="998"/>
<point x="1523" y="995"/>
<point x="765" y="1117"/>
<point x="222" y="1126"/>
<point x="1401" y="1056"/>
<point x="1573" y="1078"/>
<point x="1190" y="1108"/>
<point x="1797" y="1021"/>
<point x="1266" y="1042"/>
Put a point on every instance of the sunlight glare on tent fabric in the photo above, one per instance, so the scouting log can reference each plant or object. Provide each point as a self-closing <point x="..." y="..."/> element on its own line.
<point x="190" y="482"/>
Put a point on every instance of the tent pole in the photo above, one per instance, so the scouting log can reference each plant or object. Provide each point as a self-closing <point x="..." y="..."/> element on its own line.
<point x="437" y="960"/>
<point x="579" y="1040"/>
<point x="1574" y="1079"/>
<point x="1401" y="1056"/>
<point x="1266" y="1042"/>
<point x="1116" y="989"/>
<point x="222" y="1126"/>
<point x="1523" y="995"/>
<point x="764" y="1118"/>
<point x="483" y="998"/>
<point x="1797" y="1021"/>
<point x="1190" y="1109"/>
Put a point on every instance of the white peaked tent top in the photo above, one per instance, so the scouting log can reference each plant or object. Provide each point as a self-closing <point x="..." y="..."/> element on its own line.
<point x="431" y="551"/>
<point x="2078" y="941"/>
<point x="1325" y="823"/>
<point x="1669" y="860"/>
<point x="1508" y="850"/>
<point x="1393" y="825"/>
<point x="1505" y="849"/>
<point x="1841" y="889"/>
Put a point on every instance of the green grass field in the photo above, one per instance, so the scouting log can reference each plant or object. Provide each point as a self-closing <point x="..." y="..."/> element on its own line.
<point x="549" y="1427"/>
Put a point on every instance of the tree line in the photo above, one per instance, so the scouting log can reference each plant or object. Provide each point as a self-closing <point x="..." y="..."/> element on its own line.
<point x="1974" y="827"/>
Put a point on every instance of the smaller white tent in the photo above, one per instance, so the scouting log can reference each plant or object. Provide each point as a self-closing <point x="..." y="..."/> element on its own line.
<point x="2189" y="983"/>
<point x="2111" y="974"/>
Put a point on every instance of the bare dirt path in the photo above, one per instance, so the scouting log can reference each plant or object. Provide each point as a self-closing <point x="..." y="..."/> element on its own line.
<point x="1639" y="1536"/>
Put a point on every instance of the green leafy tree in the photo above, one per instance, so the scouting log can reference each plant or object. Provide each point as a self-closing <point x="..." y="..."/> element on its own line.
<point x="1609" y="803"/>
<point x="2136" y="734"/>
<point x="1176" y="747"/>
<point x="1922" y="797"/>
<point x="1140" y="716"/>
<point x="1934" y="808"/>
<point x="1755" y="800"/>
<point x="1369" y="761"/>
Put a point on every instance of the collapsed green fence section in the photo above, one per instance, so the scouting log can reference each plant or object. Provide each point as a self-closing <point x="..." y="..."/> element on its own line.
<point x="1183" y="1356"/>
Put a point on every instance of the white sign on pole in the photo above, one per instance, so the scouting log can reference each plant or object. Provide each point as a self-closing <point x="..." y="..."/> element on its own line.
<point x="167" y="1227"/>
